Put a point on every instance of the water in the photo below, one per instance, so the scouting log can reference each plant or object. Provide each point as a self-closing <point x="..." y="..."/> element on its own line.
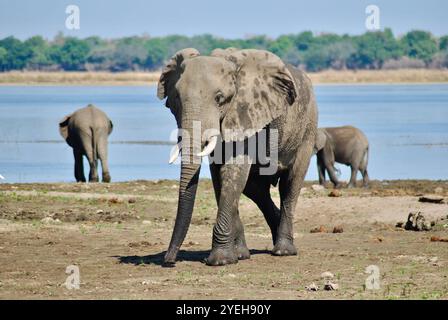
<point x="407" y="126"/>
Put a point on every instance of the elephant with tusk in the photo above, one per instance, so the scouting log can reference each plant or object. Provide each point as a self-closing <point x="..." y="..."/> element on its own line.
<point x="234" y="96"/>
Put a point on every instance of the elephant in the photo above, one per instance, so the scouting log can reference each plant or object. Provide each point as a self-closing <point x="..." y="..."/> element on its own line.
<point x="235" y="95"/>
<point x="87" y="131"/>
<point x="347" y="145"/>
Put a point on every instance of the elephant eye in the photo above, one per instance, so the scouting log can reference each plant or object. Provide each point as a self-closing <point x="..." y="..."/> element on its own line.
<point x="219" y="98"/>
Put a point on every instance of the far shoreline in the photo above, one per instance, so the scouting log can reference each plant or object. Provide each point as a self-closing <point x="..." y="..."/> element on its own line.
<point x="327" y="77"/>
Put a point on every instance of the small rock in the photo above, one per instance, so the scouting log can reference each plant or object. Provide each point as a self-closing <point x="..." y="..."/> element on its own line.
<point x="115" y="200"/>
<point x="438" y="239"/>
<point x="431" y="198"/>
<point x="417" y="222"/>
<point x="312" y="287"/>
<point x="327" y="275"/>
<point x="191" y="243"/>
<point x="50" y="220"/>
<point x="338" y="229"/>
<point x="400" y="224"/>
<point x="320" y="229"/>
<point x="317" y="188"/>
<point x="335" y="193"/>
<point x="146" y="222"/>
<point x="329" y="286"/>
<point x="99" y="211"/>
<point x="438" y="190"/>
<point x="132" y="200"/>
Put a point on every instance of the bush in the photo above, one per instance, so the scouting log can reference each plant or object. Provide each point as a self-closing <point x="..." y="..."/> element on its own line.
<point x="404" y="63"/>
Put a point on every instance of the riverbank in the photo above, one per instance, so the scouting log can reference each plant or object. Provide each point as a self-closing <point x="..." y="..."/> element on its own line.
<point x="148" y="78"/>
<point x="117" y="234"/>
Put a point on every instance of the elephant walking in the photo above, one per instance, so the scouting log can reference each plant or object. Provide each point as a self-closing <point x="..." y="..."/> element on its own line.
<point x="87" y="131"/>
<point x="347" y="145"/>
<point x="234" y="95"/>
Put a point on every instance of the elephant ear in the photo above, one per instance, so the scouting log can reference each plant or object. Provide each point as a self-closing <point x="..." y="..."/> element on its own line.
<point x="264" y="90"/>
<point x="63" y="128"/>
<point x="170" y="73"/>
<point x="111" y="126"/>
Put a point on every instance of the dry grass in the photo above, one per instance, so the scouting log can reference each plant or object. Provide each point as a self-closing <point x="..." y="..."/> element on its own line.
<point x="78" y="78"/>
<point x="380" y="76"/>
<point x="147" y="78"/>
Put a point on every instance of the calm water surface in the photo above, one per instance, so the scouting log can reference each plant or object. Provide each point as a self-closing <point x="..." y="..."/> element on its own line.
<point x="407" y="126"/>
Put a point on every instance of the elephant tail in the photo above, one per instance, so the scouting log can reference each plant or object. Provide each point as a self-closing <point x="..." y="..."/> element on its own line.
<point x="365" y="159"/>
<point x="94" y="146"/>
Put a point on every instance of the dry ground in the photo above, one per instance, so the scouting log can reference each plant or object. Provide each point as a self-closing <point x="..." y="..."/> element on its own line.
<point x="117" y="234"/>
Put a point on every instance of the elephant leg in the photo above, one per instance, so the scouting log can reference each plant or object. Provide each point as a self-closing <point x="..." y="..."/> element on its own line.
<point x="363" y="169"/>
<point x="233" y="179"/>
<point x="102" y="155"/>
<point x="332" y="174"/>
<point x="365" y="178"/>
<point x="258" y="190"/>
<point x="321" y="171"/>
<point x="93" y="173"/>
<point x="352" y="183"/>
<point x="79" y="166"/>
<point x="240" y="240"/>
<point x="90" y="152"/>
<point x="291" y="181"/>
<point x="242" y="250"/>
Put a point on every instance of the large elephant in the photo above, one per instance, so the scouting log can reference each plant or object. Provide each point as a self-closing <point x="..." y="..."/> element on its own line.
<point x="233" y="95"/>
<point x="347" y="145"/>
<point x="87" y="131"/>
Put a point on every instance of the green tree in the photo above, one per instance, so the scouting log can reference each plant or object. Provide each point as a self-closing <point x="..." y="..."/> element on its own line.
<point x="17" y="53"/>
<point x="3" y="58"/>
<point x="419" y="45"/>
<point x="39" y="50"/>
<point x="130" y="54"/>
<point x="373" y="48"/>
<point x="443" y="43"/>
<point x="281" y="46"/>
<point x="72" y="55"/>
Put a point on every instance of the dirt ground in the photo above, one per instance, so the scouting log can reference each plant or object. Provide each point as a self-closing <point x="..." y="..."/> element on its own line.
<point x="117" y="234"/>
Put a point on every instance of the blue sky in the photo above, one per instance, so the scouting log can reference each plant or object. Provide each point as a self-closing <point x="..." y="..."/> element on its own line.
<point x="229" y="18"/>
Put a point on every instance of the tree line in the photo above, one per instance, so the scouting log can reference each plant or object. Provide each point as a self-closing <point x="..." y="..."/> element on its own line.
<point x="312" y="52"/>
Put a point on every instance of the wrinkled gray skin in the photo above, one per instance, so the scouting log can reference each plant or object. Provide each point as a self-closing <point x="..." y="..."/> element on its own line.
<point x="346" y="145"/>
<point x="234" y="89"/>
<point x="87" y="131"/>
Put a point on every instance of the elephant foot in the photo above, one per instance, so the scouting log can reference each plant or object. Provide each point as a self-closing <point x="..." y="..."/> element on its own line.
<point x="284" y="247"/>
<point x="351" y="186"/>
<point x="106" y="177"/>
<point x="221" y="257"/>
<point x="242" y="252"/>
<point x="338" y="185"/>
<point x="93" y="179"/>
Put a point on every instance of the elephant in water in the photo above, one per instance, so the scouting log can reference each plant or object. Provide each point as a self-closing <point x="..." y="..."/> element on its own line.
<point x="347" y="145"/>
<point x="233" y="96"/>
<point x="87" y="131"/>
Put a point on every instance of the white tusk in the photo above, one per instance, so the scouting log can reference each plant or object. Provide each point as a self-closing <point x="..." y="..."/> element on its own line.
<point x="174" y="154"/>
<point x="209" y="147"/>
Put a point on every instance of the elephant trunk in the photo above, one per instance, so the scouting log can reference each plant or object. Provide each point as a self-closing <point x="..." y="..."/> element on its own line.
<point x="189" y="178"/>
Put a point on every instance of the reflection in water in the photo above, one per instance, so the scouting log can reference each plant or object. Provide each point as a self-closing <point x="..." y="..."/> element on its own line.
<point x="407" y="126"/>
